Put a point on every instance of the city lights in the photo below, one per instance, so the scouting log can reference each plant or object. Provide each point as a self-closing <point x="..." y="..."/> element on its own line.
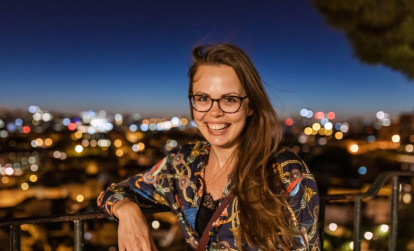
<point x="104" y="143"/>
<point x="354" y="148"/>
<point x="9" y="170"/>
<point x="289" y="122"/>
<point x="407" y="188"/>
<point x="308" y="131"/>
<point x="118" y="143"/>
<point x="80" y="198"/>
<point x="316" y="126"/>
<point x="322" y="141"/>
<point x="368" y="235"/>
<point x="18" y="122"/>
<point x="119" y="153"/>
<point x="331" y="115"/>
<point x="407" y="198"/>
<point x="362" y="170"/>
<point x="48" y="142"/>
<point x="339" y="135"/>
<point x="344" y="128"/>
<point x="26" y="129"/>
<point x="409" y="148"/>
<point x="33" y="178"/>
<point x="155" y="224"/>
<point x="395" y="138"/>
<point x="380" y="115"/>
<point x="133" y="128"/>
<point x="319" y="115"/>
<point x="78" y="135"/>
<point x="332" y="227"/>
<point x="34" y="168"/>
<point x="93" y="143"/>
<point x="5" y="179"/>
<point x="384" y="228"/>
<point x="72" y="126"/>
<point x="328" y="126"/>
<point x="135" y="147"/>
<point x="4" y="134"/>
<point x="79" y="149"/>
<point x="24" y="186"/>
<point x="371" y="138"/>
<point x="85" y="143"/>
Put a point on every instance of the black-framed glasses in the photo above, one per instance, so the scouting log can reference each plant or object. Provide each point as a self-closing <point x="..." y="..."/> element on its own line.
<point x="227" y="104"/>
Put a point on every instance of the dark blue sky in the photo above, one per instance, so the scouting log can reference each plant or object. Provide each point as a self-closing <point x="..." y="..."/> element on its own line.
<point x="133" y="56"/>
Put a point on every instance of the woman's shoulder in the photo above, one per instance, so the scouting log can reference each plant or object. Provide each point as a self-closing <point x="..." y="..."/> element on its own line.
<point x="293" y="171"/>
<point x="287" y="160"/>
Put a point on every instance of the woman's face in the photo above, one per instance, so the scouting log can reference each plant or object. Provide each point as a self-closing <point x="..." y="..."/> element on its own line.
<point x="220" y="129"/>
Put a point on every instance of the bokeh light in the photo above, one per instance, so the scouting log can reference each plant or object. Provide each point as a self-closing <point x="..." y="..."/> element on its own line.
<point x="384" y="228"/>
<point x="79" y="148"/>
<point x="332" y="227"/>
<point x="24" y="186"/>
<point x="80" y="198"/>
<point x="395" y="138"/>
<point x="354" y="148"/>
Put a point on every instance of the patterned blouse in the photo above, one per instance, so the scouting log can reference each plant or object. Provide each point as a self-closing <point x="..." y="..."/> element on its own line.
<point x="176" y="184"/>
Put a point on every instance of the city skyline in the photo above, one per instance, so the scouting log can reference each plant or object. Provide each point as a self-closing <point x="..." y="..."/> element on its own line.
<point x="132" y="57"/>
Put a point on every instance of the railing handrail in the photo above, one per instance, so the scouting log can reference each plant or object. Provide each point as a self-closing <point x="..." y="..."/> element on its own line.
<point x="67" y="217"/>
<point x="373" y="190"/>
<point x="53" y="218"/>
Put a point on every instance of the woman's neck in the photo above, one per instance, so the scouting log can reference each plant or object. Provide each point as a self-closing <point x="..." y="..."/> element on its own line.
<point x="220" y="158"/>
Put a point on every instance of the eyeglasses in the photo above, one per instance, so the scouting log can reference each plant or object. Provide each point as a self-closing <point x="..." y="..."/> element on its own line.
<point x="227" y="104"/>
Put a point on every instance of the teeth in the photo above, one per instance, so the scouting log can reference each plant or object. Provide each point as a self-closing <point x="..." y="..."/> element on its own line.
<point x="217" y="126"/>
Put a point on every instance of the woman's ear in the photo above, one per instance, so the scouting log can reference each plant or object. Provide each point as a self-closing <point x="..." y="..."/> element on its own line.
<point x="249" y="112"/>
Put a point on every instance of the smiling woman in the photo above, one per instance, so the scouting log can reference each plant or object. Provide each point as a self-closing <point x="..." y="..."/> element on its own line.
<point x="238" y="190"/>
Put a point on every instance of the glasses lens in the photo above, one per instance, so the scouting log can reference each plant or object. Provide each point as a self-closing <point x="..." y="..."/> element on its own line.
<point x="201" y="103"/>
<point x="230" y="104"/>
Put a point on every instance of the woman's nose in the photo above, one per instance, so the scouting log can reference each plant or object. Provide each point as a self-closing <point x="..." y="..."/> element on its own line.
<point x="215" y="109"/>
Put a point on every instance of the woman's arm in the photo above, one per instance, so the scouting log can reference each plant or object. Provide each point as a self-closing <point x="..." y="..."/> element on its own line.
<point x="133" y="230"/>
<point x="148" y="189"/>
<point x="123" y="200"/>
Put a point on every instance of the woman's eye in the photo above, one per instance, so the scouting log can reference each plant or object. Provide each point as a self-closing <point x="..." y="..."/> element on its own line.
<point x="201" y="98"/>
<point x="230" y="99"/>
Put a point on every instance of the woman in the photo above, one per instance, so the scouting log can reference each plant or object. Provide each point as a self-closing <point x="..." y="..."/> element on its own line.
<point x="268" y="197"/>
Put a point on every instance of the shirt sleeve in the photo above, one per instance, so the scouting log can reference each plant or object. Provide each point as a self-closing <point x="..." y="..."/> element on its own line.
<point x="303" y="199"/>
<point x="149" y="189"/>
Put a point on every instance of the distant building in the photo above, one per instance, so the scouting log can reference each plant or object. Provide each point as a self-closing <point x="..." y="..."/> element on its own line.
<point x="407" y="128"/>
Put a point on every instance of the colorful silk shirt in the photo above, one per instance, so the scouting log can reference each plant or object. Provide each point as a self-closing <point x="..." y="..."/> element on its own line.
<point x="176" y="184"/>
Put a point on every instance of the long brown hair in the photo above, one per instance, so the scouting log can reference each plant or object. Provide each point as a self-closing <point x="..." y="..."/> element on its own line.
<point x="263" y="219"/>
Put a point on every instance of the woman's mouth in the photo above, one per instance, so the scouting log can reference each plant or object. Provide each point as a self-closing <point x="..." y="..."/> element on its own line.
<point x="217" y="129"/>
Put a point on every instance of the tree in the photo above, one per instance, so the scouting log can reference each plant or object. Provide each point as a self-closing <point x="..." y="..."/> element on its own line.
<point x="380" y="31"/>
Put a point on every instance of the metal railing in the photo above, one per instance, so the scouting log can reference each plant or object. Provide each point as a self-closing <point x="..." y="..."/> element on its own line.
<point x="77" y="219"/>
<point x="358" y="198"/>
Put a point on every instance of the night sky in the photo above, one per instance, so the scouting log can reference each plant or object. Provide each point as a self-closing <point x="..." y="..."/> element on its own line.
<point x="132" y="56"/>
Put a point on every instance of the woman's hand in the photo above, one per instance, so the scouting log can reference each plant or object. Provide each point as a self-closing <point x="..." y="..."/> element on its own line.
<point x="133" y="230"/>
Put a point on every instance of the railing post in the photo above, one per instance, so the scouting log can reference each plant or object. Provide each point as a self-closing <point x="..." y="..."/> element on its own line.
<point x="394" y="213"/>
<point x="15" y="238"/>
<point x="357" y="223"/>
<point x="78" y="235"/>
<point x="322" y="205"/>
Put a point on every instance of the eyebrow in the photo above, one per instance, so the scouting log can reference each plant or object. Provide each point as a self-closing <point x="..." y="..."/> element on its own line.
<point x="223" y="95"/>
